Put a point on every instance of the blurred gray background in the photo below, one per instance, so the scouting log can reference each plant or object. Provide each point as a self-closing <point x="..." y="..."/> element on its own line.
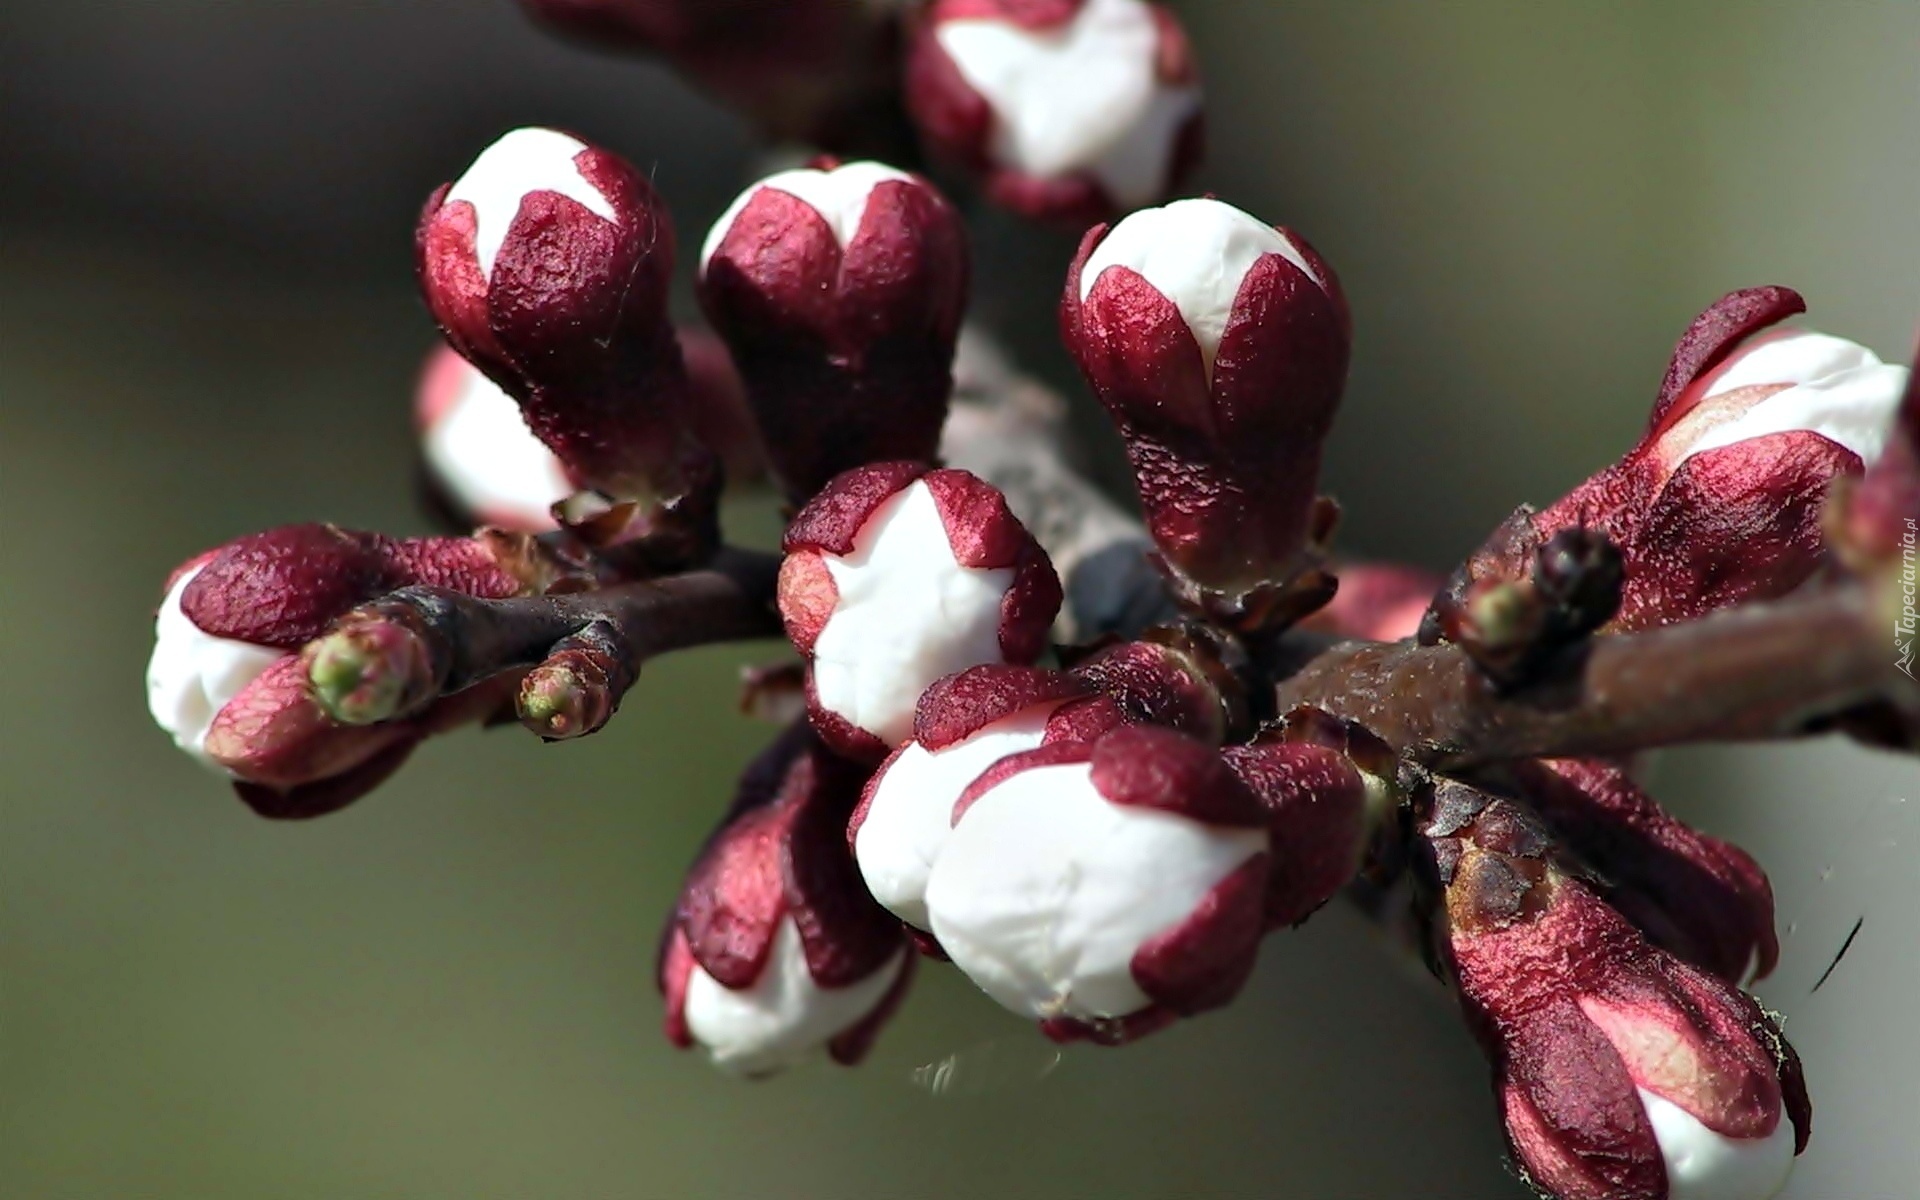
<point x="207" y="326"/>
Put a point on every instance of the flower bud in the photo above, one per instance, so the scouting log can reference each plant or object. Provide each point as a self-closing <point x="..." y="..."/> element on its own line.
<point x="1329" y="794"/>
<point x="896" y="575"/>
<point x="1104" y="888"/>
<point x="547" y="266"/>
<point x="1721" y="502"/>
<point x="1696" y="896"/>
<point x="1621" y="1071"/>
<point x="1175" y="678"/>
<point x="1067" y="110"/>
<point x="487" y="468"/>
<point x="226" y="679"/>
<point x="840" y="291"/>
<point x="479" y="453"/>
<point x="1219" y="346"/>
<point x="775" y="950"/>
<point x="963" y="724"/>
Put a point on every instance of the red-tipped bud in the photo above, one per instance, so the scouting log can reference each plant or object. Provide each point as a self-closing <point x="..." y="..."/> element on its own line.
<point x="547" y="266"/>
<point x="1068" y="110"/>
<point x="487" y="467"/>
<point x="1697" y="896"/>
<point x="1377" y="601"/>
<point x="479" y="454"/>
<point x="896" y="575"/>
<point x="1621" y="1071"/>
<point x="840" y="292"/>
<point x="1104" y="888"/>
<point x="226" y="679"/>
<point x="1330" y="798"/>
<point x="1722" y="501"/>
<point x="776" y="951"/>
<point x="1219" y="346"/>
<point x="963" y="724"/>
<point x="1880" y="521"/>
<point x="1179" y="682"/>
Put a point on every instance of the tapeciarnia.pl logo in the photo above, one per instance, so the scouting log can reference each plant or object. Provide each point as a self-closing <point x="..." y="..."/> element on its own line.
<point x="1905" y="623"/>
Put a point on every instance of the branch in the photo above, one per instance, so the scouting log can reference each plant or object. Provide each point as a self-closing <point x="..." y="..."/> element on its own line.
<point x="1762" y="671"/>
<point x="392" y="658"/>
<point x="1012" y="432"/>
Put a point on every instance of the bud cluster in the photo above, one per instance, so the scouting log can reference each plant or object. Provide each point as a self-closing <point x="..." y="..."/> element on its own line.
<point x="1099" y="836"/>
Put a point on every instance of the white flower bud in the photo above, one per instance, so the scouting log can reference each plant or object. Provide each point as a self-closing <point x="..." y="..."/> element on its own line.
<point x="1827" y="385"/>
<point x="193" y="675"/>
<point x="839" y="194"/>
<point x="908" y="613"/>
<point x="1080" y="97"/>
<point x="1704" y="1165"/>
<point x="784" y="1016"/>
<point x="480" y="450"/>
<point x="911" y="809"/>
<point x="1196" y="253"/>
<point x="1045" y="891"/>
<point x="522" y="161"/>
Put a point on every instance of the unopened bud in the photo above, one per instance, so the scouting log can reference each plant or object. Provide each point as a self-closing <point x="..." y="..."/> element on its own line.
<point x="1218" y="345"/>
<point x="547" y="265"/>
<point x="1067" y="111"/>
<point x="775" y="951"/>
<point x="840" y="292"/>
<point x="1105" y="888"/>
<point x="896" y="575"/>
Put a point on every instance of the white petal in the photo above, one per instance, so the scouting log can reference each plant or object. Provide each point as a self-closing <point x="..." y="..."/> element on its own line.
<point x="1789" y="356"/>
<point x="785" y="1016"/>
<point x="1704" y="1165"/>
<point x="839" y="195"/>
<point x="1196" y="253"/>
<point x="483" y="453"/>
<point x="192" y="674"/>
<point x="526" y="160"/>
<point x="908" y="613"/>
<point x="1081" y="96"/>
<point x="1045" y="891"/>
<point x="1853" y="407"/>
<point x="912" y="808"/>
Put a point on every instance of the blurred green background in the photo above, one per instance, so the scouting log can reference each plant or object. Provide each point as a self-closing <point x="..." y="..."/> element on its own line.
<point x="207" y="326"/>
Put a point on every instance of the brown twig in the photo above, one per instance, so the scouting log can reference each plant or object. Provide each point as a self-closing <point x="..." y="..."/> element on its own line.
<point x="1763" y="671"/>
<point x="414" y="645"/>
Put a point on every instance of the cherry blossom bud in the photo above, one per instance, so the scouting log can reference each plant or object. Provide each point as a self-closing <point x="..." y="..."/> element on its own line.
<point x="1696" y="896"/>
<point x="1621" y="1071"/>
<point x="1219" y="346"/>
<point x="479" y="452"/>
<point x="1329" y="793"/>
<point x="963" y="724"/>
<point x="1377" y="601"/>
<point x="776" y="951"/>
<point x="487" y="468"/>
<point x="1067" y="110"/>
<point x="840" y="292"/>
<point x="1104" y="888"/>
<point x="897" y="574"/>
<point x="1877" y="523"/>
<point x="1175" y="678"/>
<point x="1721" y="502"/>
<point x="226" y="679"/>
<point x="547" y="266"/>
